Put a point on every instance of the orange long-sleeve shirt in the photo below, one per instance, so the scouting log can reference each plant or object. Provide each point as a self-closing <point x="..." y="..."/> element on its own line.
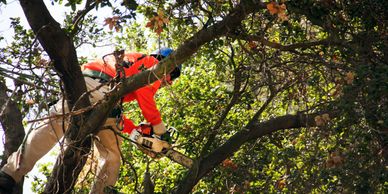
<point x="144" y="96"/>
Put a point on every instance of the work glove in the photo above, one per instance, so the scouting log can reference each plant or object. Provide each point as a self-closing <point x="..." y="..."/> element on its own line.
<point x="159" y="129"/>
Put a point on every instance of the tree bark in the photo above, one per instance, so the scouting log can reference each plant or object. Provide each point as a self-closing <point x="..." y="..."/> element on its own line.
<point x="11" y="121"/>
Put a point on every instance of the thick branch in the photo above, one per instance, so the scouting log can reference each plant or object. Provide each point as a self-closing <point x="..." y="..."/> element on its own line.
<point x="59" y="47"/>
<point x="253" y="130"/>
<point x="11" y="122"/>
<point x="89" y="5"/>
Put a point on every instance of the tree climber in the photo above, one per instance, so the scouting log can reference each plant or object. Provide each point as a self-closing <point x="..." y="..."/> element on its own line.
<point x="45" y="136"/>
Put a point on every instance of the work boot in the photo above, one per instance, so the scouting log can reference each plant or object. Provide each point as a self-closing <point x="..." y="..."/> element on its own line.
<point x="6" y="183"/>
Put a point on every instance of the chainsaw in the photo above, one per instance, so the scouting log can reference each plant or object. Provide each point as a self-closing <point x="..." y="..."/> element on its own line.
<point x="170" y="137"/>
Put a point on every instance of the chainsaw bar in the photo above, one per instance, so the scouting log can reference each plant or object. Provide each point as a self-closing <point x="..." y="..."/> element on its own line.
<point x="169" y="153"/>
<point x="179" y="158"/>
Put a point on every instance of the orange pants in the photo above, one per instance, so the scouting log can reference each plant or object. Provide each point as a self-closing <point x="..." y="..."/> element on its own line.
<point x="41" y="139"/>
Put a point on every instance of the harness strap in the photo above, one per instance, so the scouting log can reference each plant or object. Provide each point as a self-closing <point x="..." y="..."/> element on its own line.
<point x="96" y="74"/>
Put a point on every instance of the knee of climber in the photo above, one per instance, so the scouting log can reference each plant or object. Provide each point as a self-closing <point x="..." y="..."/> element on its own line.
<point x="114" y="159"/>
<point x="110" y="159"/>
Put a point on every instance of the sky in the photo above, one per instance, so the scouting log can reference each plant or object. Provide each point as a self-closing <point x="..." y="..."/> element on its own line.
<point x="13" y="9"/>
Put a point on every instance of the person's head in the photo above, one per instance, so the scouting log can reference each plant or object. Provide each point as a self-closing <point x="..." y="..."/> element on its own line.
<point x="163" y="53"/>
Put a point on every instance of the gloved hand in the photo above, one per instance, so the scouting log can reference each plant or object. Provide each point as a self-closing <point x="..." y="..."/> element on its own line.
<point x="159" y="129"/>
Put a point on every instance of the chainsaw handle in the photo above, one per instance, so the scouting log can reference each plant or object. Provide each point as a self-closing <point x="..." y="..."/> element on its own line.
<point x="173" y="134"/>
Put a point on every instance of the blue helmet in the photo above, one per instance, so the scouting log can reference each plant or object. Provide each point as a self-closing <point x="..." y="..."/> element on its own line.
<point x="163" y="52"/>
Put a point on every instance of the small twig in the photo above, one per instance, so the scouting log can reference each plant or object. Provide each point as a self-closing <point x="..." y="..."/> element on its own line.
<point x="72" y="113"/>
<point x="122" y="156"/>
<point x="6" y="103"/>
<point x="28" y="83"/>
